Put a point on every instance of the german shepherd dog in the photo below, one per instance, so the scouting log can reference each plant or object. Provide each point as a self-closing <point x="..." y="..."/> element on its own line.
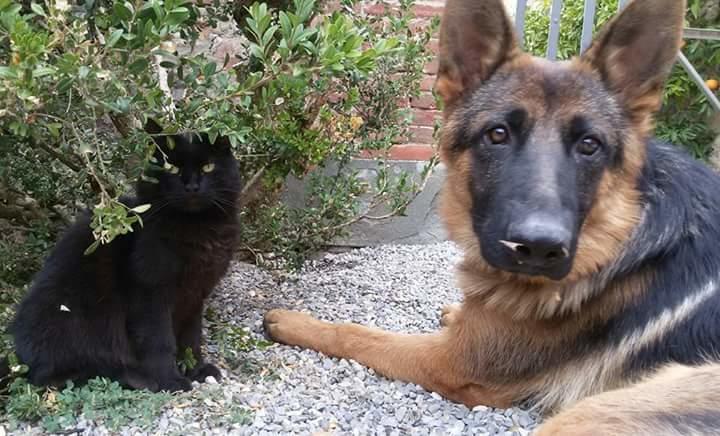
<point x="591" y="270"/>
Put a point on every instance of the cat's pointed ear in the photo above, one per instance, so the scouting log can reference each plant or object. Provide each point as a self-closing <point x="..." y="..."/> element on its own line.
<point x="155" y="129"/>
<point x="635" y="53"/>
<point x="152" y="127"/>
<point x="223" y="143"/>
<point x="476" y="37"/>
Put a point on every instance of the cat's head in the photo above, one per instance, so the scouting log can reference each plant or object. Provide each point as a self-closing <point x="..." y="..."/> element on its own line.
<point x="190" y="174"/>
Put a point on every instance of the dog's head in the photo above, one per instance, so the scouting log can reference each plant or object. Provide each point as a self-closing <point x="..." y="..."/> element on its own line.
<point x="544" y="157"/>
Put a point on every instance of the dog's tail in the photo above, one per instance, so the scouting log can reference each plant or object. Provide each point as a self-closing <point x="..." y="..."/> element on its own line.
<point x="677" y="400"/>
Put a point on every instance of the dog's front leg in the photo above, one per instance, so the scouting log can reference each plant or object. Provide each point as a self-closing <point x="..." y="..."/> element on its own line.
<point x="435" y="361"/>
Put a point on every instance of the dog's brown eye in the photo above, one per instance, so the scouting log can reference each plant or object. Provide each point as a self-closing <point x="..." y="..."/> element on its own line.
<point x="497" y="135"/>
<point x="588" y="146"/>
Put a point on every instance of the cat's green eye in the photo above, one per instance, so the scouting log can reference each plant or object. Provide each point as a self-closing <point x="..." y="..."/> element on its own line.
<point x="207" y="168"/>
<point x="172" y="169"/>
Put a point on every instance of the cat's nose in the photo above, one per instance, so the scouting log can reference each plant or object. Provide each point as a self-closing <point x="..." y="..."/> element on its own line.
<point x="192" y="187"/>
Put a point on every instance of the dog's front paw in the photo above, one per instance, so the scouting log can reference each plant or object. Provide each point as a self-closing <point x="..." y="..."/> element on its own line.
<point x="203" y="371"/>
<point x="449" y="314"/>
<point x="291" y="327"/>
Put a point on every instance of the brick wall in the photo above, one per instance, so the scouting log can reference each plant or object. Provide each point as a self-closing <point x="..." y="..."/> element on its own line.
<point x="420" y="144"/>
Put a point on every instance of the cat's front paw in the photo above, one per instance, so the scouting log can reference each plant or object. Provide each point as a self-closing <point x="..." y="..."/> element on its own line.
<point x="203" y="371"/>
<point x="175" y="384"/>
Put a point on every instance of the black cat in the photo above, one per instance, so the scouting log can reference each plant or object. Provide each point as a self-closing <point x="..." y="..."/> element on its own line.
<point x="126" y="310"/>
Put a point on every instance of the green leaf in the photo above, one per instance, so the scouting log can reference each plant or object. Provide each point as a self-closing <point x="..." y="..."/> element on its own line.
<point x="114" y="37"/>
<point x="209" y="69"/>
<point x="65" y="84"/>
<point x="268" y="36"/>
<point x="177" y="16"/>
<point x="285" y="24"/>
<point x="212" y="136"/>
<point x="122" y="11"/>
<point x="37" y="9"/>
<point x="91" y="249"/>
<point x="141" y="208"/>
<point x="138" y="66"/>
<point x="43" y="71"/>
<point x="8" y="73"/>
<point x="149" y="179"/>
<point x="54" y="129"/>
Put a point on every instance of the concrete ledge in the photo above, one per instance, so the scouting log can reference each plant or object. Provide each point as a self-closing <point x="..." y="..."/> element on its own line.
<point x="421" y="223"/>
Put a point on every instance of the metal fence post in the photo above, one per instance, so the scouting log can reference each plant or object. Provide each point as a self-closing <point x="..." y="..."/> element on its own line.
<point x="588" y="25"/>
<point x="520" y="8"/>
<point x="554" y="35"/>
<point x="695" y="76"/>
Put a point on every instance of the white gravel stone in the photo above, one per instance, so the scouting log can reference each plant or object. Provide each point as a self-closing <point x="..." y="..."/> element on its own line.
<point x="285" y="390"/>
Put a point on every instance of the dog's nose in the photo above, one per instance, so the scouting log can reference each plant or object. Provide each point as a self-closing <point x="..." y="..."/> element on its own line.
<point x="539" y="240"/>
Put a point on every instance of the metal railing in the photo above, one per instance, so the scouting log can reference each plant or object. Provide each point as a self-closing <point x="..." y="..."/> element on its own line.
<point x="587" y="34"/>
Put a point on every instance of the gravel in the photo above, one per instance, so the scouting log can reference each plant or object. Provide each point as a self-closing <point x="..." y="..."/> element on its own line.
<point x="286" y="390"/>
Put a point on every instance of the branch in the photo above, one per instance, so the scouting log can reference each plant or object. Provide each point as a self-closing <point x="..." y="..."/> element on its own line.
<point x="123" y="124"/>
<point x="64" y="159"/>
<point x="21" y="206"/>
<point x="16" y="213"/>
<point x="393" y="212"/>
<point x="253" y="181"/>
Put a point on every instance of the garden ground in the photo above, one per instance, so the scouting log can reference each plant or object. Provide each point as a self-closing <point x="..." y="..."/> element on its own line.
<point x="275" y="389"/>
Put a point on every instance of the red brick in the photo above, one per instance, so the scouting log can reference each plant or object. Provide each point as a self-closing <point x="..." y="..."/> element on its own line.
<point x="422" y="12"/>
<point x="418" y="24"/>
<point x="427" y="11"/>
<point x="425" y="118"/>
<point x="377" y="9"/>
<point x="330" y="6"/>
<point x="427" y="83"/>
<point x="421" y="134"/>
<point x="431" y="67"/>
<point x="425" y="101"/>
<point x="434" y="46"/>
<point x="411" y="151"/>
<point x="419" y="152"/>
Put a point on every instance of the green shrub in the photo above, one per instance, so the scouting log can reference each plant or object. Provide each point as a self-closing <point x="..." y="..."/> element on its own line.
<point x="307" y="90"/>
<point x="684" y="117"/>
<point x="77" y="81"/>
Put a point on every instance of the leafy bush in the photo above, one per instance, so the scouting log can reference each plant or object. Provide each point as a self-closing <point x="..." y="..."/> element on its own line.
<point x="684" y="117"/>
<point x="308" y="89"/>
<point x="77" y="82"/>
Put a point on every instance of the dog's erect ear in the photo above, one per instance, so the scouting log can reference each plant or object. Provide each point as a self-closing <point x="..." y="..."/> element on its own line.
<point x="636" y="51"/>
<point x="476" y="37"/>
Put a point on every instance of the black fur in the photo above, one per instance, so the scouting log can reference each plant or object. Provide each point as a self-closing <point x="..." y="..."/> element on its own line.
<point x="678" y="239"/>
<point x="134" y="304"/>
